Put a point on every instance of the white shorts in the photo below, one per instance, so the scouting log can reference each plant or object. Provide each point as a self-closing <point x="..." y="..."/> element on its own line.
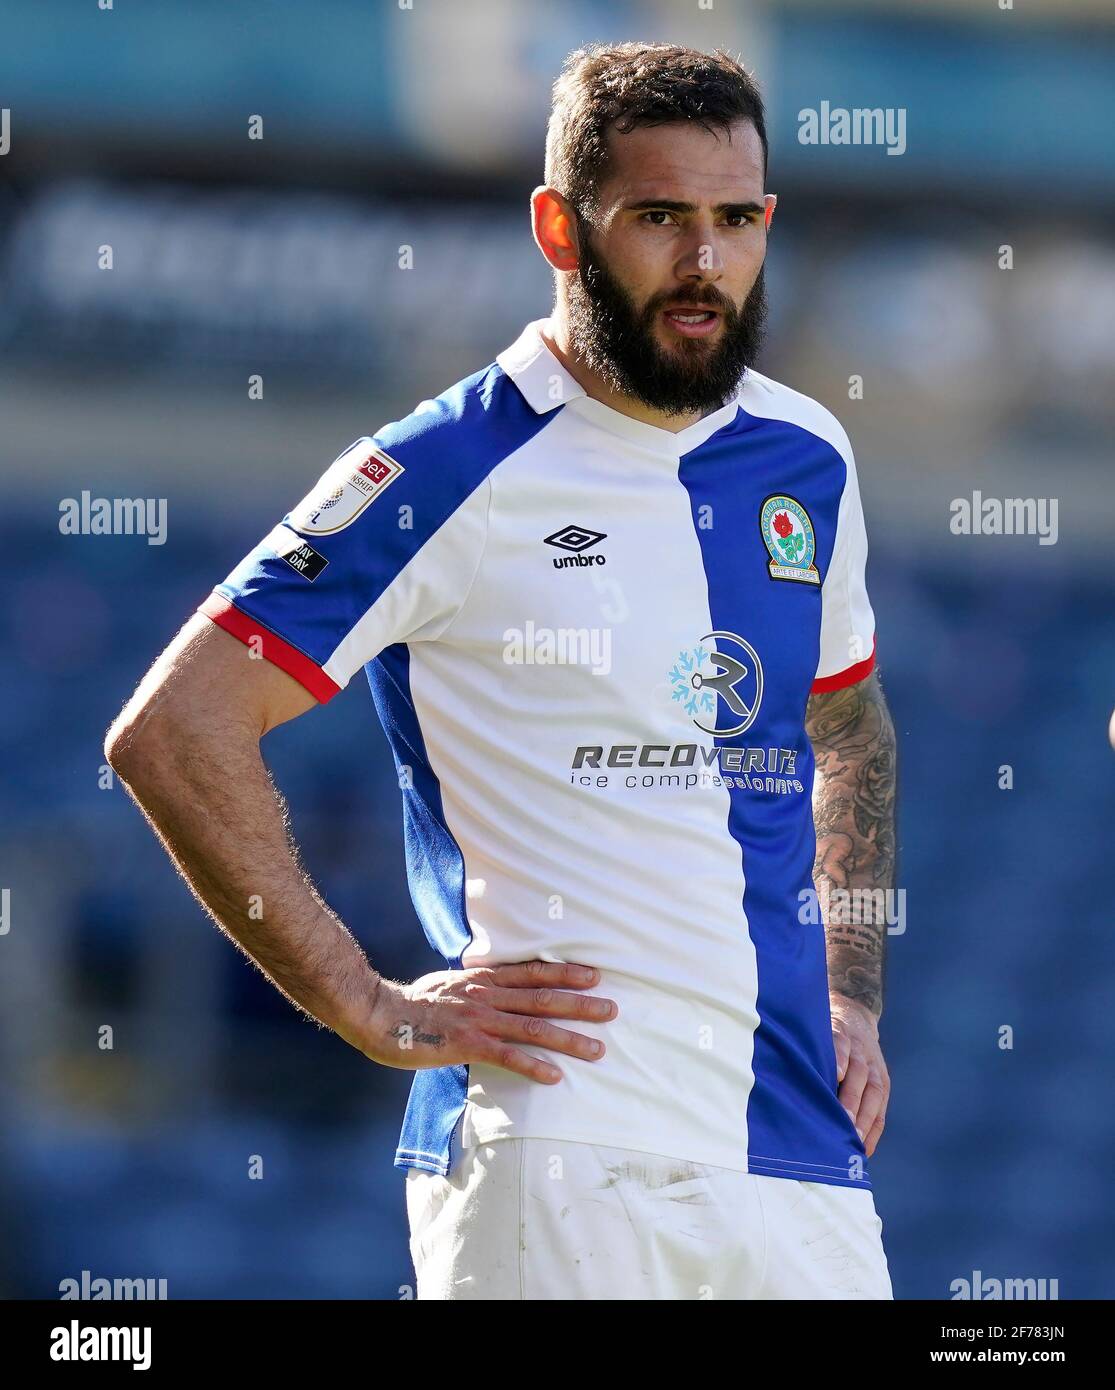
<point x="553" y="1219"/>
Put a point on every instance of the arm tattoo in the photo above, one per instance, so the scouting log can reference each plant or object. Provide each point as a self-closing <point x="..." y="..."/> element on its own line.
<point x="853" y="810"/>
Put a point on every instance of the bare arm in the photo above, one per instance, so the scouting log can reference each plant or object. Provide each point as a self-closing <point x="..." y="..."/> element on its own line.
<point x="187" y="748"/>
<point x="854" y="812"/>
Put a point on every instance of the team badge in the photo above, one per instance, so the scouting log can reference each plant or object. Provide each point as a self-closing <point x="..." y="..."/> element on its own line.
<point x="788" y="535"/>
<point x="349" y="485"/>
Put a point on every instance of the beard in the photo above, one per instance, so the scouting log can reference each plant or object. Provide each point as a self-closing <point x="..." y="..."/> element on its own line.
<point x="616" y="339"/>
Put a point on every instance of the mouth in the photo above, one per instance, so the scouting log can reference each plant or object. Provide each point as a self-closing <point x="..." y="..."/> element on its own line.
<point x="692" y="322"/>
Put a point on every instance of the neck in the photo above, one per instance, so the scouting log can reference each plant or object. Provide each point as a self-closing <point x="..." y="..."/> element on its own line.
<point x="555" y="334"/>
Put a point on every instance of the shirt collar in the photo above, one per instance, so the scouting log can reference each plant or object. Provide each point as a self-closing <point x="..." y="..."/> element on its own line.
<point x="545" y="383"/>
<point x="539" y="375"/>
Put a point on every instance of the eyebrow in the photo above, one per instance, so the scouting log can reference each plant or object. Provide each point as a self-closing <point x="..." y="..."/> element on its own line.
<point x="672" y="205"/>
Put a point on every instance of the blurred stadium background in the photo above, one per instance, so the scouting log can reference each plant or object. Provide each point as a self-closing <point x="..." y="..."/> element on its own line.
<point x="388" y="127"/>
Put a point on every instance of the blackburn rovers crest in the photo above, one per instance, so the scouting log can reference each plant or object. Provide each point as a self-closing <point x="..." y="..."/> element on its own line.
<point x="788" y="536"/>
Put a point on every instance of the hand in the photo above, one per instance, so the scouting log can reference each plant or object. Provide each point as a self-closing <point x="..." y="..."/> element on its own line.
<point x="479" y="1015"/>
<point x="860" y="1069"/>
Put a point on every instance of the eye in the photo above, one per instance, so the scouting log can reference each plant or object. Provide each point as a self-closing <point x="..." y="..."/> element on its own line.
<point x="740" y="219"/>
<point x="658" y="212"/>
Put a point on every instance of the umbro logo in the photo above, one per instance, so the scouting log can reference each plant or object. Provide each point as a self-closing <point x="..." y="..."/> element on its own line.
<point x="576" y="539"/>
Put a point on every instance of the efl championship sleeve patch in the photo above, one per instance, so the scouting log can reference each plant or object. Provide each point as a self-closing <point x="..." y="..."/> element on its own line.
<point x="349" y="485"/>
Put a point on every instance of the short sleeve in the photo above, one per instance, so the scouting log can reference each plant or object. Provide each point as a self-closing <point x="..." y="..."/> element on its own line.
<point x="847" y="619"/>
<point x="383" y="549"/>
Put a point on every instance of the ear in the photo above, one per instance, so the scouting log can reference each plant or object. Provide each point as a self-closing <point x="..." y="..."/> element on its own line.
<point x="555" y="228"/>
<point x="771" y="201"/>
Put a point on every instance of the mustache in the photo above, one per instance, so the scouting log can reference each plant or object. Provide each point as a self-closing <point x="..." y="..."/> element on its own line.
<point x="709" y="298"/>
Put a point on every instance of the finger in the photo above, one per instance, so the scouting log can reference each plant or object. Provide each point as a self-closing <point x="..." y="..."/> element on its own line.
<point x="538" y="1033"/>
<point x="871" y="1105"/>
<point x="528" y="974"/>
<point x="874" y="1134"/>
<point x="548" y="1003"/>
<point x="851" y="1088"/>
<point x="843" y="1054"/>
<point x="496" y="1053"/>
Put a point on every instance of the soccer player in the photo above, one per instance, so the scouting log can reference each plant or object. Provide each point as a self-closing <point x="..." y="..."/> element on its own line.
<point x="609" y="595"/>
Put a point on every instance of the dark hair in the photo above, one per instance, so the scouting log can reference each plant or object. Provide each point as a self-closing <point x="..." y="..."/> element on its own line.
<point x="638" y="84"/>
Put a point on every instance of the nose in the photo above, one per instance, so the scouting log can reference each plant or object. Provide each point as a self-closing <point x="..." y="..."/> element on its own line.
<point x="701" y="260"/>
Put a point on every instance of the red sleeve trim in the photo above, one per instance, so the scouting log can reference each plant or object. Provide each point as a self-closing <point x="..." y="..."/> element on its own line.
<point x="852" y="676"/>
<point x="279" y="653"/>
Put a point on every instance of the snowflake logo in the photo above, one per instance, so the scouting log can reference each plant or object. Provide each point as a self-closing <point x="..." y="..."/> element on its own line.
<point x="682" y="690"/>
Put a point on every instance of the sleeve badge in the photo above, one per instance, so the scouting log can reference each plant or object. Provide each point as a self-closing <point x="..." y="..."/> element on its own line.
<point x="789" y="538"/>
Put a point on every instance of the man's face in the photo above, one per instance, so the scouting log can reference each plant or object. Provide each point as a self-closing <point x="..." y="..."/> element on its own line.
<point x="680" y="235"/>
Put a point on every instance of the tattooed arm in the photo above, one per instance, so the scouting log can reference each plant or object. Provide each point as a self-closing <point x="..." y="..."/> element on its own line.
<point x="853" y="809"/>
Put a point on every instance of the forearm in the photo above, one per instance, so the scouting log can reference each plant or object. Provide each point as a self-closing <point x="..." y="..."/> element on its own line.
<point x="854" y="813"/>
<point x="210" y="800"/>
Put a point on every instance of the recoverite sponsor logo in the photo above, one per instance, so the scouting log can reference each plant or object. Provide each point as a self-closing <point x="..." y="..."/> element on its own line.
<point x="77" y="1343"/>
<point x="687" y="765"/>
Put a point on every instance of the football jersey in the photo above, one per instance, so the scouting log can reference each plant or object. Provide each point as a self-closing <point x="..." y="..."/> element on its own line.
<point x="590" y="642"/>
